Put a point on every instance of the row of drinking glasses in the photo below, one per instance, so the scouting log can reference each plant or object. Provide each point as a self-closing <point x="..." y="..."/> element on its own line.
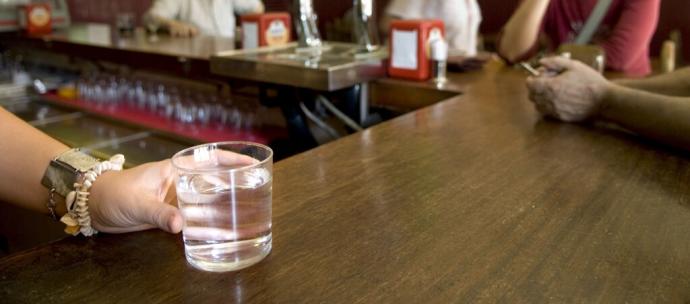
<point x="186" y="106"/>
<point x="10" y="66"/>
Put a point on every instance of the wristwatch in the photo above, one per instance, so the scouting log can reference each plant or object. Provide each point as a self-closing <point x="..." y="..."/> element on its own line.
<point x="67" y="169"/>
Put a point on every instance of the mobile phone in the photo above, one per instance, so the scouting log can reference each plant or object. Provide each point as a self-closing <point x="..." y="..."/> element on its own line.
<point x="530" y="69"/>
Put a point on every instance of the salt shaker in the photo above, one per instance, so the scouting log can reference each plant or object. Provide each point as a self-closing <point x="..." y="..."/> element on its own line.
<point x="439" y="60"/>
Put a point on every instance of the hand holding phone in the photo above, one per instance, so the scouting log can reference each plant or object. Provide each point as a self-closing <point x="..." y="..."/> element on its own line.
<point x="540" y="71"/>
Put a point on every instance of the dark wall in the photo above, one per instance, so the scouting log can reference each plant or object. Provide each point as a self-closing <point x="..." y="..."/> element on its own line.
<point x="673" y="16"/>
<point x="104" y="11"/>
<point x="496" y="13"/>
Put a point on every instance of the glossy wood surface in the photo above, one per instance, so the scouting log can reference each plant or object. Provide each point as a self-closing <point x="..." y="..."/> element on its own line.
<point x="474" y="199"/>
<point x="187" y="57"/>
<point x="198" y="47"/>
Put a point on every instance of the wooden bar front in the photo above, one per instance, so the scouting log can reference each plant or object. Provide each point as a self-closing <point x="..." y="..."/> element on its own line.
<point x="474" y="199"/>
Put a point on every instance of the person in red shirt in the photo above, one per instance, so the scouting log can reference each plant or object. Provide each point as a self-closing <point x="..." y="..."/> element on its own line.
<point x="624" y="33"/>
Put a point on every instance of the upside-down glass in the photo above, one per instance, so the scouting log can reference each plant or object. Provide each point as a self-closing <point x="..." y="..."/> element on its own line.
<point x="224" y="194"/>
<point x="152" y="26"/>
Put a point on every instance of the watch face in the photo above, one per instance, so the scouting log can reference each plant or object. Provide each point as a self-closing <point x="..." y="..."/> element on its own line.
<point x="80" y="161"/>
<point x="39" y="16"/>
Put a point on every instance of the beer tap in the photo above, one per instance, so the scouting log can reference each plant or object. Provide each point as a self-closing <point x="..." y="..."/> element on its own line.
<point x="364" y="25"/>
<point x="305" y="21"/>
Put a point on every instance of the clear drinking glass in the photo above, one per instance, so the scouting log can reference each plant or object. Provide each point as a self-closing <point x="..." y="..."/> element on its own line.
<point x="112" y="90"/>
<point x="224" y="193"/>
<point x="99" y="89"/>
<point x="125" y="23"/>
<point x="151" y="97"/>
<point x="140" y="94"/>
<point x="152" y="26"/>
<point x="122" y="89"/>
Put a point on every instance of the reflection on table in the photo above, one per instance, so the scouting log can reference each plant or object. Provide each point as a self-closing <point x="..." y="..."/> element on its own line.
<point x="198" y="47"/>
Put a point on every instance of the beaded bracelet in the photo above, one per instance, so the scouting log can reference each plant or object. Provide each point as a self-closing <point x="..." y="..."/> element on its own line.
<point x="78" y="219"/>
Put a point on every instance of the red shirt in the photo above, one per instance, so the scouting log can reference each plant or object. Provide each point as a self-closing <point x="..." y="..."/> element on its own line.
<point x="625" y="32"/>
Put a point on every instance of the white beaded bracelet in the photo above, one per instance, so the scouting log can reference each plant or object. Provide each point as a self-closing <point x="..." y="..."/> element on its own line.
<point x="78" y="219"/>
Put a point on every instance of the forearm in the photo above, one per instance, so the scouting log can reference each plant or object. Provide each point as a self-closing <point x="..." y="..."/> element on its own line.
<point x="163" y="12"/>
<point x="175" y="28"/>
<point x="160" y="21"/>
<point x="672" y="84"/>
<point x="26" y="154"/>
<point x="522" y="30"/>
<point x="130" y="200"/>
<point x="659" y="117"/>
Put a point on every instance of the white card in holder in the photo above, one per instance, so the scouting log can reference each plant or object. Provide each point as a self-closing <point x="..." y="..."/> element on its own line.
<point x="99" y="34"/>
<point x="250" y="35"/>
<point x="405" y="46"/>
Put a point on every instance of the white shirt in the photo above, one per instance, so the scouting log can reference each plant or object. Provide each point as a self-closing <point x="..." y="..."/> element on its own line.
<point x="211" y="17"/>
<point x="461" y="17"/>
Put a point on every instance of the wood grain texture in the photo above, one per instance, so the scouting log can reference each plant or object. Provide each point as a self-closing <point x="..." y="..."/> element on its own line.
<point x="475" y="199"/>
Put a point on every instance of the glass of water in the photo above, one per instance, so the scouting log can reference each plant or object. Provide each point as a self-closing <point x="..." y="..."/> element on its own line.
<point x="224" y="194"/>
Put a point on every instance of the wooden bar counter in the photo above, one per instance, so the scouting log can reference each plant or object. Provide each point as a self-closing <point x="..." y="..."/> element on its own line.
<point x="182" y="56"/>
<point x="474" y="199"/>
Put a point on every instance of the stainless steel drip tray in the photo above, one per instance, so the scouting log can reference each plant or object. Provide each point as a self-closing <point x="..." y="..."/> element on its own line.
<point x="139" y="148"/>
<point x="34" y="113"/>
<point x="332" y="67"/>
<point x="78" y="130"/>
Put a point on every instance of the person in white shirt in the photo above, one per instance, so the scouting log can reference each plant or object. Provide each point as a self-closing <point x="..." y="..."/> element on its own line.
<point x="461" y="17"/>
<point x="186" y="18"/>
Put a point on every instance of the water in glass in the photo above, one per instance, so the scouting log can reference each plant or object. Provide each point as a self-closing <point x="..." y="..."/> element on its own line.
<point x="227" y="218"/>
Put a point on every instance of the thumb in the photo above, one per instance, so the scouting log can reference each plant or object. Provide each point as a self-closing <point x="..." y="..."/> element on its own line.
<point x="537" y="84"/>
<point x="165" y="217"/>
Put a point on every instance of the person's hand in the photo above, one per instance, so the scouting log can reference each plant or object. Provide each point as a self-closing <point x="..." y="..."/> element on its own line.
<point x="260" y="8"/>
<point x="135" y="199"/>
<point x="181" y="29"/>
<point x="574" y="95"/>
